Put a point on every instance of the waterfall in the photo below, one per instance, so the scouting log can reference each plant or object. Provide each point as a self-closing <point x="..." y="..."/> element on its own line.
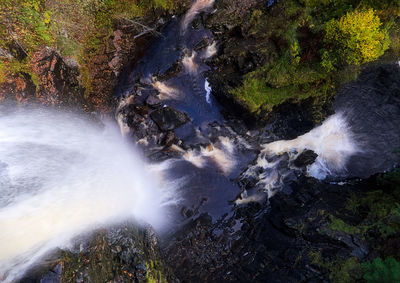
<point x="62" y="175"/>
<point x="333" y="142"/>
<point x="360" y="140"/>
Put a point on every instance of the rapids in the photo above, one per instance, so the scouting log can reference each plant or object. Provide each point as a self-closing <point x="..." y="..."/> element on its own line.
<point x="62" y="174"/>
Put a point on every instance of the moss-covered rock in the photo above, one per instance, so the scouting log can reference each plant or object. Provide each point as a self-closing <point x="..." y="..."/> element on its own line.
<point x="124" y="253"/>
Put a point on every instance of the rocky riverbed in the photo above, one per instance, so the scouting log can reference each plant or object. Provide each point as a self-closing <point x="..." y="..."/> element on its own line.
<point x="277" y="224"/>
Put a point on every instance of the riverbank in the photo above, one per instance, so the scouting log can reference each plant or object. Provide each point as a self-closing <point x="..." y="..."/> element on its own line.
<point x="266" y="67"/>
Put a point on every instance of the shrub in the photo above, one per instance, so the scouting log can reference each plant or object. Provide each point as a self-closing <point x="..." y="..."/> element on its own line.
<point x="382" y="271"/>
<point x="356" y="38"/>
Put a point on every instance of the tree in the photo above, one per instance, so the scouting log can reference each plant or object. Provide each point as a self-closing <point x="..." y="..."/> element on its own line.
<point x="382" y="271"/>
<point x="355" y="38"/>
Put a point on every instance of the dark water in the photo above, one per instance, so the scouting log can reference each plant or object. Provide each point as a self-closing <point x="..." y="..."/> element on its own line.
<point x="167" y="52"/>
<point x="370" y="107"/>
<point x="207" y="189"/>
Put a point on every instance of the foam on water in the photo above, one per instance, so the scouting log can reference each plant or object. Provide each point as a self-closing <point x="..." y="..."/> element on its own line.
<point x="333" y="141"/>
<point x="221" y="154"/>
<point x="189" y="64"/>
<point x="197" y="7"/>
<point x="62" y="175"/>
<point x="210" y="51"/>
<point x="208" y="90"/>
<point x="167" y="91"/>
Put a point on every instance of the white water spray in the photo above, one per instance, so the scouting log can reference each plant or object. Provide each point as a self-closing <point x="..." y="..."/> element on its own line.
<point x="62" y="175"/>
<point x="208" y="89"/>
<point x="189" y="64"/>
<point x="167" y="92"/>
<point x="210" y="51"/>
<point x="333" y="141"/>
<point x="222" y="154"/>
<point x="198" y="7"/>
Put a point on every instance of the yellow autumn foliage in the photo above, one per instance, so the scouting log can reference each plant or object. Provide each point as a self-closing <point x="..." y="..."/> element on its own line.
<point x="357" y="37"/>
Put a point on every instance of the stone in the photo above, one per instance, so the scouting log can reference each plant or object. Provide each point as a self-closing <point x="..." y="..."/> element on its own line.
<point x="58" y="81"/>
<point x="153" y="101"/>
<point x="305" y="158"/>
<point x="168" y="118"/>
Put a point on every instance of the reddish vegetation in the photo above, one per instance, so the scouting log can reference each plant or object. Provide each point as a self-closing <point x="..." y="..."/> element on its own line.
<point x="19" y="88"/>
<point x="58" y="80"/>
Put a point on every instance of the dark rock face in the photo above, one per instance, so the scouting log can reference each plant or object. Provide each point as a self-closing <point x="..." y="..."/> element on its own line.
<point x="290" y="120"/>
<point x="371" y="107"/>
<point x="239" y="50"/>
<point x="18" y="88"/>
<point x="305" y="158"/>
<point x="266" y="244"/>
<point x="153" y="101"/>
<point x="58" y="80"/>
<point x="168" y="118"/>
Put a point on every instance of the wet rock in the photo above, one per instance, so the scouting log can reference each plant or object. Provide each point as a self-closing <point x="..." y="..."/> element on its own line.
<point x="153" y="101"/>
<point x="290" y="120"/>
<point x="171" y="72"/>
<point x="136" y="118"/>
<point x="372" y="109"/>
<point x="169" y="138"/>
<point x="147" y="91"/>
<point x="168" y="118"/>
<point x="305" y="158"/>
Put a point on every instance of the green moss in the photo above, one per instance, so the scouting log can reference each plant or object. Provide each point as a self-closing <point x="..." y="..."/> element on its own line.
<point x="3" y="73"/>
<point x="382" y="271"/>
<point x="340" y="270"/>
<point x="337" y="224"/>
<point x="154" y="272"/>
<point x="282" y="80"/>
<point x="346" y="271"/>
<point x="26" y="24"/>
<point x="255" y="93"/>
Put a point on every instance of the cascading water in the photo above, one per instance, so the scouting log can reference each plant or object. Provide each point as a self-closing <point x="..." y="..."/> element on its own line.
<point x="360" y="140"/>
<point x="197" y="7"/>
<point x="333" y="142"/>
<point x="62" y="175"/>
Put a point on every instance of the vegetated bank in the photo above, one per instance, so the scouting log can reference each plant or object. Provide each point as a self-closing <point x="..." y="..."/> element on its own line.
<point x="71" y="53"/>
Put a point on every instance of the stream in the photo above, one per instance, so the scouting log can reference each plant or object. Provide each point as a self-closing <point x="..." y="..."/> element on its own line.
<point x="64" y="174"/>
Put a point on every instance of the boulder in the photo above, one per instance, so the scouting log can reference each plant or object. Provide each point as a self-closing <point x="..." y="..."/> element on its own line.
<point x="168" y="118"/>
<point x="305" y="158"/>
<point x="58" y="79"/>
<point x="153" y="101"/>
